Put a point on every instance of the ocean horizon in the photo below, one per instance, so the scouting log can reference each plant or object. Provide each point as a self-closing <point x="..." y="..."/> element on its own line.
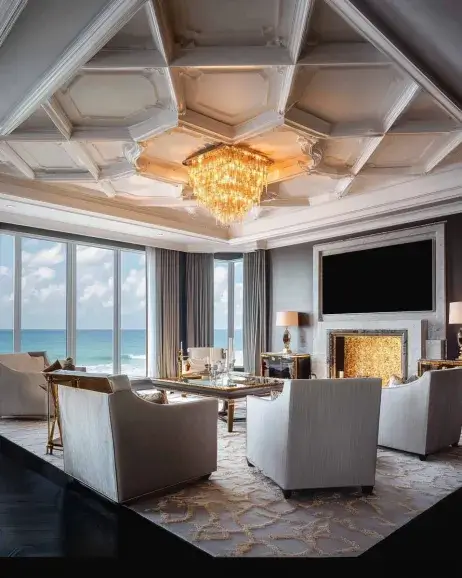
<point x="94" y="347"/>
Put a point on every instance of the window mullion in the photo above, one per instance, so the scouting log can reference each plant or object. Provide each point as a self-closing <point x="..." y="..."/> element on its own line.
<point x="116" y="343"/>
<point x="71" y="301"/>
<point x="230" y="299"/>
<point x="17" y="293"/>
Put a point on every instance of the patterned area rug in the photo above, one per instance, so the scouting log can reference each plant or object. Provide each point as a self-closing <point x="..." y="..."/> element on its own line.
<point x="240" y="512"/>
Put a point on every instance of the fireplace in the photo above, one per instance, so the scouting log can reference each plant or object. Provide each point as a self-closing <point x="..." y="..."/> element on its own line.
<point x="367" y="353"/>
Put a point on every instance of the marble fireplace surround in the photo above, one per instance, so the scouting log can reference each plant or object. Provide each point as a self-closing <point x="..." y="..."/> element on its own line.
<point x="418" y="325"/>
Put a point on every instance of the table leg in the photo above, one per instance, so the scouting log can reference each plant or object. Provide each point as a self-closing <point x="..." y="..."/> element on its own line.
<point x="230" y="415"/>
<point x="164" y="396"/>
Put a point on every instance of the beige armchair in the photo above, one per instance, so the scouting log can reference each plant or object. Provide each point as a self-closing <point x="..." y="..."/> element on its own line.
<point x="23" y="387"/>
<point x="319" y="433"/>
<point x="124" y="447"/>
<point x="423" y="416"/>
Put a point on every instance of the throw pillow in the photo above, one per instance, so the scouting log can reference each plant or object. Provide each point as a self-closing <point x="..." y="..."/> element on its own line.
<point x="152" y="396"/>
<point x="68" y="364"/>
<point x="53" y="367"/>
<point x="411" y="378"/>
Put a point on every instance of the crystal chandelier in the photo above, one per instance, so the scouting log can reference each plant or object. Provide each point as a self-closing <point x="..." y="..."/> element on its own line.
<point x="228" y="180"/>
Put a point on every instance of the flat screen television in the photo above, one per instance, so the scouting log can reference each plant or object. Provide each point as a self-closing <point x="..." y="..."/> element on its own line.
<point x="381" y="280"/>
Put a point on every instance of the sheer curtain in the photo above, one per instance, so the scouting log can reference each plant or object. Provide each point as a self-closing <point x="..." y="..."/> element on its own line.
<point x="163" y="285"/>
<point x="255" y="309"/>
<point x="199" y="299"/>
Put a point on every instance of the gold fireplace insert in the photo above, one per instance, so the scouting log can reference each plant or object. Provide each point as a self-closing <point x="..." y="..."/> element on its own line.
<point x="360" y="353"/>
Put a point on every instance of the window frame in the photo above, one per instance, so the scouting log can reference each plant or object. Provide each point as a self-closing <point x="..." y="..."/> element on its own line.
<point x="71" y="244"/>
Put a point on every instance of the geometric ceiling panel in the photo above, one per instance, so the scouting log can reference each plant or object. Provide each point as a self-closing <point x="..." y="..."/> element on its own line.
<point x="136" y="34"/>
<point x="231" y="97"/>
<point x="174" y="146"/>
<point x="106" y="153"/>
<point x="342" y="152"/>
<point x="424" y="107"/>
<point x="43" y="155"/>
<point x="99" y="95"/>
<point x="140" y="186"/>
<point x="235" y="23"/>
<point x="278" y="144"/>
<point x="351" y="94"/>
<point x="328" y="26"/>
<point x="403" y="150"/>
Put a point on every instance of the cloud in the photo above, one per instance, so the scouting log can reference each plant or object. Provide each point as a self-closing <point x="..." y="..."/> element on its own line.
<point x="54" y="290"/>
<point x="92" y="255"/>
<point x="46" y="257"/>
<point x="97" y="289"/>
<point x="4" y="271"/>
<point x="135" y="283"/>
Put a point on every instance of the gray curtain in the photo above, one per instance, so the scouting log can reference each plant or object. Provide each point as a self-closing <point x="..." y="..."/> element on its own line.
<point x="199" y="299"/>
<point x="255" y="309"/>
<point x="167" y="267"/>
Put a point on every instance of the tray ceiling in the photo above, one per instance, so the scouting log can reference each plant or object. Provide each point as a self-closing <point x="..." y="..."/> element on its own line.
<point x="178" y="76"/>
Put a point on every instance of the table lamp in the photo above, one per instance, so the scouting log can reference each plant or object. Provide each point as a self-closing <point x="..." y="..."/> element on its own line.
<point x="286" y="319"/>
<point x="455" y="318"/>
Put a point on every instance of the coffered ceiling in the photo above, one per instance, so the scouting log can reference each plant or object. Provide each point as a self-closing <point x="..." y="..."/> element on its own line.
<point x="88" y="88"/>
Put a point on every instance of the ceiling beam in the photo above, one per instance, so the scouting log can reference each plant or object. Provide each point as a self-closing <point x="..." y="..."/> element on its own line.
<point x="306" y="123"/>
<point x="101" y="133"/>
<point x="236" y="56"/>
<point x="9" y="13"/>
<point x="160" y="170"/>
<point x="64" y="175"/>
<point x="81" y="156"/>
<point x="124" y="60"/>
<point x="258" y="125"/>
<point x="344" y="184"/>
<point x="58" y="117"/>
<point x="120" y="170"/>
<point x="450" y="143"/>
<point x="163" y="40"/>
<point x="362" y="128"/>
<point x="347" y="54"/>
<point x="174" y="202"/>
<point x="425" y="126"/>
<point x="371" y="31"/>
<point x="57" y="57"/>
<point x="108" y="189"/>
<point x="11" y="156"/>
<point x="160" y="120"/>
<point x="297" y="35"/>
<point x="207" y="127"/>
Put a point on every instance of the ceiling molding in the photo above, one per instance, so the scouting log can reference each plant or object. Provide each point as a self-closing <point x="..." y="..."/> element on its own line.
<point x="409" y="91"/>
<point x="101" y="133"/>
<point x="306" y="124"/>
<point x="119" y="170"/>
<point x="236" y="56"/>
<point x="363" y="128"/>
<point x="11" y="156"/>
<point x="124" y="61"/>
<point x="111" y="18"/>
<point x="370" y="147"/>
<point x="258" y="125"/>
<point x="58" y="117"/>
<point x="450" y="143"/>
<point x="425" y="126"/>
<point x="108" y="189"/>
<point x="366" y="28"/>
<point x="64" y="176"/>
<point x="208" y="127"/>
<point x="349" y="54"/>
<point x="159" y="121"/>
<point x="81" y="156"/>
<point x="10" y="11"/>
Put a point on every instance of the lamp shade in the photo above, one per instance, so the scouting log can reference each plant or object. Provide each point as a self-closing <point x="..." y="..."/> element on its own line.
<point x="287" y="319"/>
<point x="455" y="312"/>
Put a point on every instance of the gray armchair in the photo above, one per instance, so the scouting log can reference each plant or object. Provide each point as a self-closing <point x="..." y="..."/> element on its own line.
<point x="423" y="416"/>
<point x="318" y="433"/>
<point x="124" y="447"/>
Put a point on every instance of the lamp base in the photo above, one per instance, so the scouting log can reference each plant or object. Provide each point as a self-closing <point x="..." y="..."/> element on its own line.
<point x="286" y="340"/>
<point x="459" y="342"/>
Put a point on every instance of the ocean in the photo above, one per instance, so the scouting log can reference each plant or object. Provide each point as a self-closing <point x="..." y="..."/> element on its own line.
<point x="94" y="347"/>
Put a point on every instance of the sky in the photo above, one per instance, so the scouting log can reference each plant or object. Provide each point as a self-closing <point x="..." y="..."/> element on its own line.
<point x="221" y="295"/>
<point x="44" y="286"/>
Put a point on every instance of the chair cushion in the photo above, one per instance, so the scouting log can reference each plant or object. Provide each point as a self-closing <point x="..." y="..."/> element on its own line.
<point x="119" y="383"/>
<point x="152" y="396"/>
<point x="22" y="362"/>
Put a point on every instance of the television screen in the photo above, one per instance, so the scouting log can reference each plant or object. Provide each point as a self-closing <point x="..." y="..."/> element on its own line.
<point x="385" y="279"/>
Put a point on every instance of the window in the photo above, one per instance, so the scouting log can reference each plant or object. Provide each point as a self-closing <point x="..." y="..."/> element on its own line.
<point x="228" y="301"/>
<point x="73" y="299"/>
<point x="43" y="297"/>
<point x="6" y="293"/>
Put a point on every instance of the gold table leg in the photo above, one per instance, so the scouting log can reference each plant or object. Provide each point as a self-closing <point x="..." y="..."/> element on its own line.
<point x="230" y="415"/>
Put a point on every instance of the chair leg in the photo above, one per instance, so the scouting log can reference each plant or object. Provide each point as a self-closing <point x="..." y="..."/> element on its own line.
<point x="367" y="490"/>
<point x="287" y="494"/>
<point x="249" y="464"/>
<point x="423" y="457"/>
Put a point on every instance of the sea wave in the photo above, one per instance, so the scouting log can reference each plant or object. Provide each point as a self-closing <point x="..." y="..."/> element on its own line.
<point x="126" y="369"/>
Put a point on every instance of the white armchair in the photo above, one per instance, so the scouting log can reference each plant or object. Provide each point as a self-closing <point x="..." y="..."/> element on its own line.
<point x="318" y="433"/>
<point x="423" y="416"/>
<point x="23" y="385"/>
<point x="198" y="357"/>
<point x="124" y="447"/>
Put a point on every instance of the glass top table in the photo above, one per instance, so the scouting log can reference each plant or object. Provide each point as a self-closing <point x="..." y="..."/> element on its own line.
<point x="228" y="388"/>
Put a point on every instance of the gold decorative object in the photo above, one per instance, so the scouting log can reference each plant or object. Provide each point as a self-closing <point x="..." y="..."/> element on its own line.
<point x="286" y="319"/>
<point x="228" y="180"/>
<point x="373" y="356"/>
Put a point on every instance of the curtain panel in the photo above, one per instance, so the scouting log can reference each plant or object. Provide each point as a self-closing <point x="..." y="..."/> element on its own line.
<point x="164" y="302"/>
<point x="199" y="299"/>
<point x="255" y="309"/>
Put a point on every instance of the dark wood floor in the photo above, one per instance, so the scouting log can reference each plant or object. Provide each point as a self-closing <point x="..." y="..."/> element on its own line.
<point x="43" y="513"/>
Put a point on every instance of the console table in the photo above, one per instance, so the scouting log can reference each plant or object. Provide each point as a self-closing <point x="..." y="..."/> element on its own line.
<point x="286" y="365"/>
<point x="431" y="364"/>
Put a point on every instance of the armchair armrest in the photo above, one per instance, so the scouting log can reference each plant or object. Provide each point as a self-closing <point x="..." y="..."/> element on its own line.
<point x="22" y="393"/>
